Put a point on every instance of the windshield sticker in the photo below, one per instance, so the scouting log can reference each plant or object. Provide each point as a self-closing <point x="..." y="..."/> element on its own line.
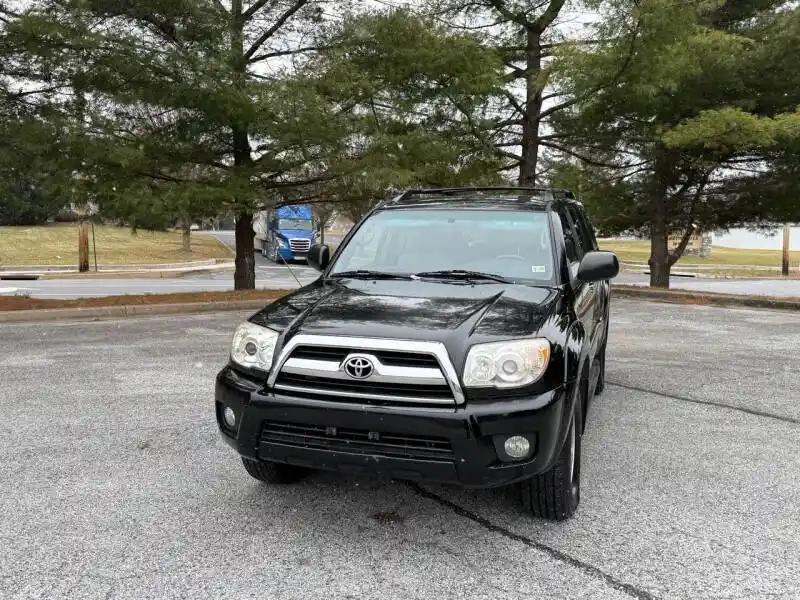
<point x="538" y="269"/>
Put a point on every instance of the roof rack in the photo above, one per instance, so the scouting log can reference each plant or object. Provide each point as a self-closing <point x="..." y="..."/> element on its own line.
<point x="549" y="194"/>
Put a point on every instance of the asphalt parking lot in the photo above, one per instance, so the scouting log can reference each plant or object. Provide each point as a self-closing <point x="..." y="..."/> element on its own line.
<point x="115" y="483"/>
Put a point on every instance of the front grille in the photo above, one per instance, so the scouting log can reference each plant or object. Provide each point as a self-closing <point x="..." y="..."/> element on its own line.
<point x="397" y="372"/>
<point x="299" y="245"/>
<point x="355" y="441"/>
<point x="387" y="357"/>
<point x="355" y="388"/>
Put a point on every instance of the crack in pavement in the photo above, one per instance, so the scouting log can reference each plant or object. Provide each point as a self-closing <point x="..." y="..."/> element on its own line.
<point x="590" y="570"/>
<point x="749" y="411"/>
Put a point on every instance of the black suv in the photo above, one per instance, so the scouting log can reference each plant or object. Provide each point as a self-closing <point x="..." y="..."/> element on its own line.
<point x="455" y="336"/>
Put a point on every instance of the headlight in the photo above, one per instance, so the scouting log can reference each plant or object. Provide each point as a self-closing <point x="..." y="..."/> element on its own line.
<point x="253" y="346"/>
<point x="506" y="364"/>
<point x="282" y="243"/>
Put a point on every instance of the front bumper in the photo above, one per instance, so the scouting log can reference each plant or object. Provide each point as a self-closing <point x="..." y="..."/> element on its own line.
<point x="289" y="254"/>
<point x="468" y="439"/>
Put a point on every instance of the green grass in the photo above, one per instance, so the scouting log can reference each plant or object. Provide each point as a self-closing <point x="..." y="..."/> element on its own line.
<point x="116" y="246"/>
<point x="639" y="252"/>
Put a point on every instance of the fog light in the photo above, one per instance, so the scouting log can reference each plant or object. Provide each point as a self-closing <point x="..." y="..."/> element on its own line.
<point x="230" y="417"/>
<point x="517" y="446"/>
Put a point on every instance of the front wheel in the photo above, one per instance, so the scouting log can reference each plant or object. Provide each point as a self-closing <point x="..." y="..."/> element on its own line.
<point x="272" y="252"/>
<point x="276" y="473"/>
<point x="555" y="494"/>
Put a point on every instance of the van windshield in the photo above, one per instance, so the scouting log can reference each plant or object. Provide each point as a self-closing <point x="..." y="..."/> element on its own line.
<point x="512" y="244"/>
<point x="301" y="224"/>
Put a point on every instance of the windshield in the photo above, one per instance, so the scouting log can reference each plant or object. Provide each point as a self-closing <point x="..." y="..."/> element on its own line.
<point x="304" y="224"/>
<point x="514" y="245"/>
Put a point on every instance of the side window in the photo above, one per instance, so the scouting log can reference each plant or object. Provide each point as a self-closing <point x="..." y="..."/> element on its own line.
<point x="583" y="228"/>
<point x="571" y="241"/>
<point x="367" y="251"/>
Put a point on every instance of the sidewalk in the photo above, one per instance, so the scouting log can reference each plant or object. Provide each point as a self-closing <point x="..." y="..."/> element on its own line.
<point x="715" y="271"/>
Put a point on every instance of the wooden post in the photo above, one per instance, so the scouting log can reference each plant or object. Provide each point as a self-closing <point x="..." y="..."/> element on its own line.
<point x="83" y="247"/>
<point x="94" y="248"/>
<point x="785" y="266"/>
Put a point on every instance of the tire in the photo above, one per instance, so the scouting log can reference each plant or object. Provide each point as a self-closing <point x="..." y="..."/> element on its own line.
<point x="272" y="252"/>
<point x="555" y="494"/>
<point x="275" y="473"/>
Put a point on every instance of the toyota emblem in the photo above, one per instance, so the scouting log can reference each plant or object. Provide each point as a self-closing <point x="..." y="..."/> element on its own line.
<point x="358" y="367"/>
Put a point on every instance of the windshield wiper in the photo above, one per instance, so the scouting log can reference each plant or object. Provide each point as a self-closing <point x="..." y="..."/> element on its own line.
<point x="463" y="275"/>
<point x="367" y="274"/>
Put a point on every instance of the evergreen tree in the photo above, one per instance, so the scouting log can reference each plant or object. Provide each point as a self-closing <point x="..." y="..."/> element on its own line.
<point x="699" y="131"/>
<point x="409" y="96"/>
<point x="180" y="103"/>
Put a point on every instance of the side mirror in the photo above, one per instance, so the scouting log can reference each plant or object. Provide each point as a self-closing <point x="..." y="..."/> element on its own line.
<point x="598" y="266"/>
<point x="319" y="256"/>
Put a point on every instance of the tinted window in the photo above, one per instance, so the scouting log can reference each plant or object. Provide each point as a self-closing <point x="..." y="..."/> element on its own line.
<point x="583" y="229"/>
<point x="514" y="244"/>
<point x="571" y="241"/>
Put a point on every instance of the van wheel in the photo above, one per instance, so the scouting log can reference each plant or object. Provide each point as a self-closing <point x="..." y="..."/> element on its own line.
<point x="272" y="252"/>
<point x="276" y="473"/>
<point x="555" y="494"/>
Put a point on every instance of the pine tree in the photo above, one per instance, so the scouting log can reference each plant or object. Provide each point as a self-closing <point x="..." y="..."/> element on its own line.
<point x="700" y="129"/>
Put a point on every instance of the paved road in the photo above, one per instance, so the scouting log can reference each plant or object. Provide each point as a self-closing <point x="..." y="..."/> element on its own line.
<point x="272" y="276"/>
<point x="758" y="287"/>
<point x="268" y="276"/>
<point x="116" y="484"/>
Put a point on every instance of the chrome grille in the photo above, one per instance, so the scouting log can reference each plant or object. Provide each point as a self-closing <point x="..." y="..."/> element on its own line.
<point x="355" y="441"/>
<point x="380" y="393"/>
<point x="299" y="245"/>
<point x="387" y="357"/>
<point x="404" y="372"/>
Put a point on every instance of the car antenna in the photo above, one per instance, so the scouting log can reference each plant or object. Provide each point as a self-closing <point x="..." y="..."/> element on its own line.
<point x="290" y="270"/>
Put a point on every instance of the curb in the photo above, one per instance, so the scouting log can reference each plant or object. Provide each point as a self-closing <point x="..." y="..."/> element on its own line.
<point x="705" y="298"/>
<point x="123" y="312"/>
<point x="142" y="310"/>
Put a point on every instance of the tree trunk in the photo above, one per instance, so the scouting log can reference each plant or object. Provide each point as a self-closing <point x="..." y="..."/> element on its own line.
<point x="533" y="108"/>
<point x="186" y="235"/>
<point x="83" y="247"/>
<point x="659" y="246"/>
<point x="244" y="277"/>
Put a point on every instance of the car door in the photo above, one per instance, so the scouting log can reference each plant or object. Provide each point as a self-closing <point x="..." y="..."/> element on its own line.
<point x="599" y="291"/>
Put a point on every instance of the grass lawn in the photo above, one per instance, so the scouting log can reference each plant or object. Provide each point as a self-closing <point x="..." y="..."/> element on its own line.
<point x="639" y="251"/>
<point x="58" y="245"/>
<point x="24" y="303"/>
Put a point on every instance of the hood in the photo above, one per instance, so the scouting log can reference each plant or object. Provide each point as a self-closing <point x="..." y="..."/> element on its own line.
<point x="455" y="314"/>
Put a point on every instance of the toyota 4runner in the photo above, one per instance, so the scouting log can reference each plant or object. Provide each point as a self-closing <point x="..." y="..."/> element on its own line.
<point x="455" y="336"/>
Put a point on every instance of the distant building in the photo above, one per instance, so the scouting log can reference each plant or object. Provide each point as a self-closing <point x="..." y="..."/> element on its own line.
<point x="83" y="209"/>
<point x="700" y="244"/>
